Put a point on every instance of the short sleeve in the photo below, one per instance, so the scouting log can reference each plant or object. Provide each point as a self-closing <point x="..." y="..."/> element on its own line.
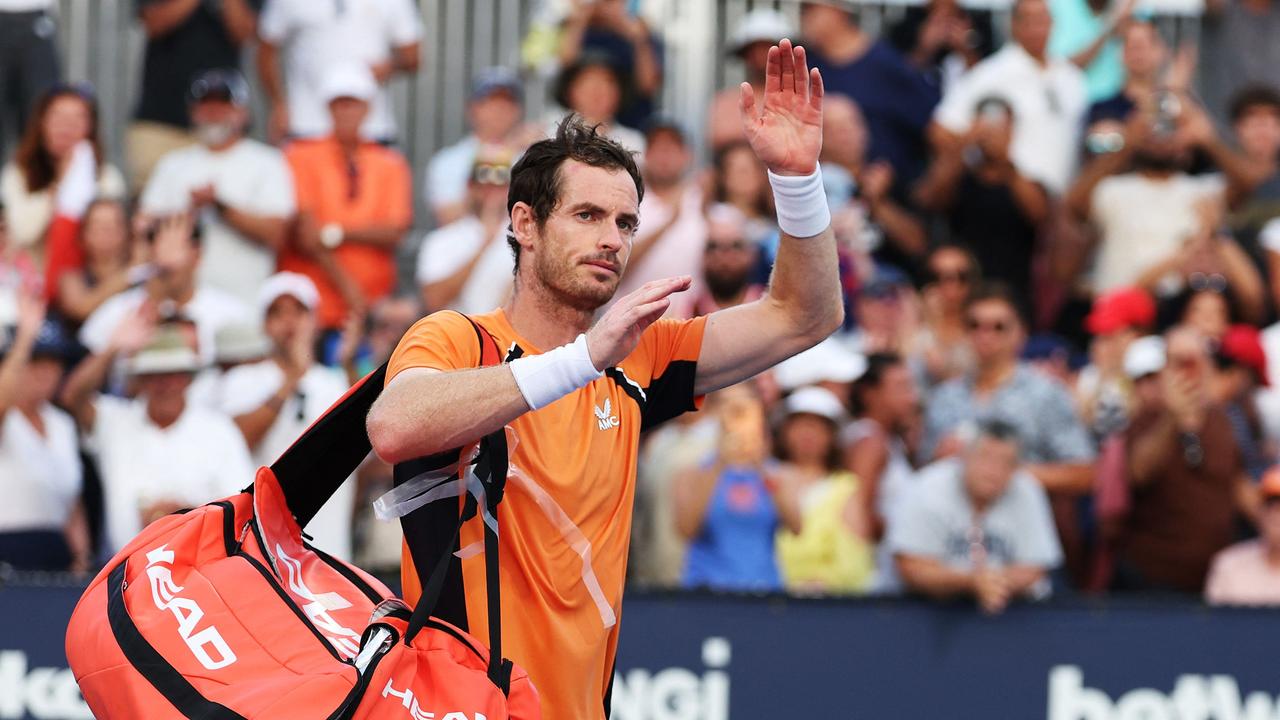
<point x="442" y="254"/>
<point x="914" y="531"/>
<point x="1101" y="201"/>
<point x="446" y="178"/>
<point x="245" y="389"/>
<point x="441" y="341"/>
<point x="275" y="196"/>
<point x="275" y="24"/>
<point x="670" y="348"/>
<point x="955" y="111"/>
<point x="404" y="26"/>
<point x="1068" y="439"/>
<point x="164" y="193"/>
<point x="1038" y="539"/>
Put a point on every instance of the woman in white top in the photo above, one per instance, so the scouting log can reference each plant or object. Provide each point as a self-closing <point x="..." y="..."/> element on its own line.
<point x="64" y="116"/>
<point x="885" y="401"/>
<point x="41" y="525"/>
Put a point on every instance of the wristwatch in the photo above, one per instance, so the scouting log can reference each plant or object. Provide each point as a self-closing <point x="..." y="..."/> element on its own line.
<point x="331" y="235"/>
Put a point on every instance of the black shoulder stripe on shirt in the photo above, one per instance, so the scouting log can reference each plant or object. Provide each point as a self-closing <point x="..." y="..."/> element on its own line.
<point x="669" y="394"/>
<point x="628" y="386"/>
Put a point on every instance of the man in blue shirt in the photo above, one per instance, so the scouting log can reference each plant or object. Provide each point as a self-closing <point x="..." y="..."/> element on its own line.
<point x="894" y="97"/>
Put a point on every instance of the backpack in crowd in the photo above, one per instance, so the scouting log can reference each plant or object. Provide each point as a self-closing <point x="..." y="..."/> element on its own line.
<point x="225" y="612"/>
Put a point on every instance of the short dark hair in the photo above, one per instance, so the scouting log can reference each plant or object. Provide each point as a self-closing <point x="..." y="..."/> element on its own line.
<point x="1251" y="97"/>
<point x="878" y="365"/>
<point x="536" y="179"/>
<point x="996" y="291"/>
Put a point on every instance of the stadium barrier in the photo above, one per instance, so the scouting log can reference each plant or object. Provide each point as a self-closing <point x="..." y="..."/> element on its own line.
<point x="710" y="657"/>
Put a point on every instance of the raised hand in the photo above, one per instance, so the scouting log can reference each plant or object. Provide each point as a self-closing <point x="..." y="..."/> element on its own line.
<point x="31" y="312"/>
<point x="135" y="330"/>
<point x="616" y="334"/>
<point x="785" y="126"/>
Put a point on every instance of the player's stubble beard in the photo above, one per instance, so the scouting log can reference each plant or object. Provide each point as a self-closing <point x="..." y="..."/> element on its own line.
<point x="563" y="276"/>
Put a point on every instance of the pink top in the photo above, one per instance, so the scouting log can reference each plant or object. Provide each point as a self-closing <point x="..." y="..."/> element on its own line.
<point x="1241" y="575"/>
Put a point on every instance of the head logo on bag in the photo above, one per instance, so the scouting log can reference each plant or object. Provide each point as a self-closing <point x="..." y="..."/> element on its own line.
<point x="417" y="713"/>
<point x="165" y="595"/>
<point x="344" y="639"/>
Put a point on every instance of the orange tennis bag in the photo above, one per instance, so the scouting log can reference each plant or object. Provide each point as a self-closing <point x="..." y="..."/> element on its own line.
<point x="226" y="612"/>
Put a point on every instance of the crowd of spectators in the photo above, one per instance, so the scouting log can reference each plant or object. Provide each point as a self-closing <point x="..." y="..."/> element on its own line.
<point x="1059" y="250"/>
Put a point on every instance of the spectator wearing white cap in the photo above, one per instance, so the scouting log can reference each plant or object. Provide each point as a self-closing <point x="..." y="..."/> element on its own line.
<point x="355" y="204"/>
<point x="241" y="188"/>
<point x="494" y="115"/>
<point x="383" y="36"/>
<point x="273" y="401"/>
<point x="756" y="33"/>
<point x="157" y="453"/>
<point x="831" y="553"/>
<point x="467" y="265"/>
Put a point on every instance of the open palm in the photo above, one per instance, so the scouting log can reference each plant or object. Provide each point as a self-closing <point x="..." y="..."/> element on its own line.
<point x="785" y="127"/>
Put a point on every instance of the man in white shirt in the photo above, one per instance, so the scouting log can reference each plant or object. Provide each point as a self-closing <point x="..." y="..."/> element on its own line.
<point x="273" y="401"/>
<point x="493" y="114"/>
<point x="171" y="293"/>
<point x="242" y="188"/>
<point x="977" y="526"/>
<point x="1047" y="95"/>
<point x="673" y="231"/>
<point x="467" y="265"/>
<point x="157" y="453"/>
<point x="314" y="36"/>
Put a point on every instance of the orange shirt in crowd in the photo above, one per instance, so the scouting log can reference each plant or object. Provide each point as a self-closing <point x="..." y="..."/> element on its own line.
<point x="565" y="517"/>
<point x="375" y="190"/>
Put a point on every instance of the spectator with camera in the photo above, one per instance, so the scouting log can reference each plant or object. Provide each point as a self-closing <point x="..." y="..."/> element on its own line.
<point x="355" y="204"/>
<point x="185" y="39"/>
<point x="992" y="208"/>
<point x="1152" y="216"/>
<point x="157" y="453"/>
<point x="977" y="526"/>
<point x="172" y="289"/>
<point x="241" y="189"/>
<point x="1185" y="475"/>
<point x="42" y="524"/>
<point x="467" y="264"/>
<point x="731" y="506"/>
<point x="383" y="36"/>
<point x="494" y="113"/>
<point x="1047" y="96"/>
<point x="275" y="400"/>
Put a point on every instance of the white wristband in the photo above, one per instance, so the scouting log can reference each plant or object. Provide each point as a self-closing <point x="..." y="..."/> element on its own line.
<point x="545" y="378"/>
<point x="801" y="203"/>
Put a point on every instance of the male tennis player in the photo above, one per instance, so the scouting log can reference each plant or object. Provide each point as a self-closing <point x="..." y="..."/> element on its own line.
<point x="577" y="393"/>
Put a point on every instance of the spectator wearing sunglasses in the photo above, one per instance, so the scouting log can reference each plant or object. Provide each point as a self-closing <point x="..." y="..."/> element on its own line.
<point x="63" y="118"/>
<point x="942" y="343"/>
<point x="991" y="206"/>
<point x="355" y="204"/>
<point x="466" y="265"/>
<point x="241" y="188"/>
<point x="1056" y="447"/>
<point x="728" y="261"/>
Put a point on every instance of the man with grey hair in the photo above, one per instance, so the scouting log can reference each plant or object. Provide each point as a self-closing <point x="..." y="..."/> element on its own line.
<point x="977" y="526"/>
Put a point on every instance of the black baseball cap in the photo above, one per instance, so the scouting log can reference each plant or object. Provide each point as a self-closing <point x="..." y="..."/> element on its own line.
<point x="219" y="84"/>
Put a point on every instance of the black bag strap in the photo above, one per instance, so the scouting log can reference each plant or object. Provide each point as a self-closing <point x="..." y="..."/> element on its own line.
<point x="491" y="471"/>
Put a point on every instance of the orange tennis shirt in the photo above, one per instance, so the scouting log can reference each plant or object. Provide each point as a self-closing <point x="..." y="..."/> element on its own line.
<point x="565" y="517"/>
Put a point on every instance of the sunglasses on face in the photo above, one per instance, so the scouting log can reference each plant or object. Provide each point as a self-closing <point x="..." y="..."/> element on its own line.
<point x="485" y="174"/>
<point x="999" y="326"/>
<point x="960" y="277"/>
<point x="732" y="246"/>
<point x="1211" y="282"/>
